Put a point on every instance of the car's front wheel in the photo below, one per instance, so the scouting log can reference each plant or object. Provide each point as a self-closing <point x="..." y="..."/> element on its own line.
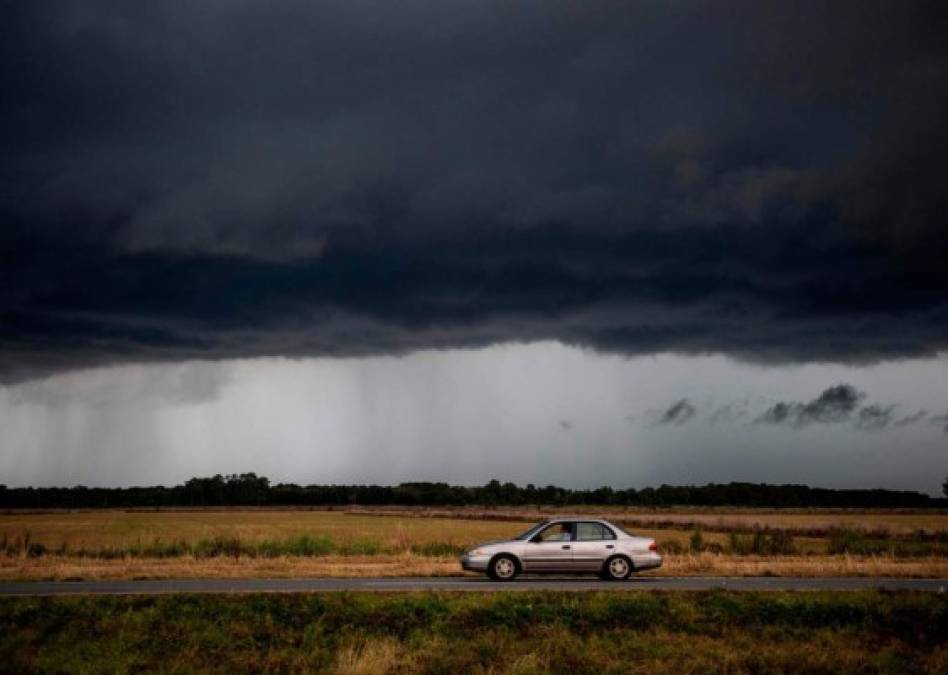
<point x="503" y="568"/>
<point x="617" y="568"/>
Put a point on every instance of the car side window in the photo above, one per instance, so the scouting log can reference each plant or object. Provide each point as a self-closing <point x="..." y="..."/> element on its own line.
<point x="556" y="532"/>
<point x="593" y="532"/>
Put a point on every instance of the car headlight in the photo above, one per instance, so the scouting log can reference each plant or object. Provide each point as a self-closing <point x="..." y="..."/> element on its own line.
<point x="476" y="551"/>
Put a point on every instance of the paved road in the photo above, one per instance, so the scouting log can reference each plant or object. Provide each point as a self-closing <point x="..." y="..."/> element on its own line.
<point x="465" y="584"/>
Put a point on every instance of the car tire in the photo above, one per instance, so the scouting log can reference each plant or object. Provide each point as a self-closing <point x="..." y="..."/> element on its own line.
<point x="503" y="568"/>
<point x="616" y="568"/>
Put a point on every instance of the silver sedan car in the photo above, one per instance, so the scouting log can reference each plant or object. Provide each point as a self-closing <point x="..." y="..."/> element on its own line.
<point x="566" y="545"/>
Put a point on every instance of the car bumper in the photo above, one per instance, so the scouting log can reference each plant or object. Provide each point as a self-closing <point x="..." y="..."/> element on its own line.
<point x="474" y="563"/>
<point x="647" y="562"/>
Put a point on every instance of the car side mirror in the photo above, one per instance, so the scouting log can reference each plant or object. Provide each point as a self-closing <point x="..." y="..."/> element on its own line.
<point x="535" y="539"/>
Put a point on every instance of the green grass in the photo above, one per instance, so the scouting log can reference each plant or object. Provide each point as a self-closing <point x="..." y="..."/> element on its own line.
<point x="452" y="633"/>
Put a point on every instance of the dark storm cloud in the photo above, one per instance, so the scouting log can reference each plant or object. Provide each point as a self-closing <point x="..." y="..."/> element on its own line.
<point x="835" y="404"/>
<point x="678" y="413"/>
<point x="244" y="178"/>
<point x="874" y="417"/>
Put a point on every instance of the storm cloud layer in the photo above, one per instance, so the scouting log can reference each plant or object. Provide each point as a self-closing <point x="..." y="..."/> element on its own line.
<point x="226" y="179"/>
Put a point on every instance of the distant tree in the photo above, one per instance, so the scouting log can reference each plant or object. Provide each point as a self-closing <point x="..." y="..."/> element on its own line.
<point x="249" y="489"/>
<point x="944" y="487"/>
<point x="492" y="493"/>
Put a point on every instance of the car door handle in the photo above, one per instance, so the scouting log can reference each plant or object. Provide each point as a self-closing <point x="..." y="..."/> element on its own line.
<point x="565" y="547"/>
<point x="610" y="545"/>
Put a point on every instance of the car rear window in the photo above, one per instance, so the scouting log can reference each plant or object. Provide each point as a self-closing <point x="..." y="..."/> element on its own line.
<point x="621" y="529"/>
<point x="593" y="532"/>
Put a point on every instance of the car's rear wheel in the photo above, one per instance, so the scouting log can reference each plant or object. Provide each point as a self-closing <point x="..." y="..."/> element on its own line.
<point x="503" y="568"/>
<point x="617" y="568"/>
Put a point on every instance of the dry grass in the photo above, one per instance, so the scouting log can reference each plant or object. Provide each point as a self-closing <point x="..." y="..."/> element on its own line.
<point x="710" y="564"/>
<point x="99" y="529"/>
<point x="897" y="522"/>
<point x="121" y="529"/>
<point x="369" y="657"/>
<point x="60" y="568"/>
<point x="64" y="568"/>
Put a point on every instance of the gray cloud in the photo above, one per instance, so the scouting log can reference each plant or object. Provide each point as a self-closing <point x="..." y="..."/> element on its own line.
<point x="875" y="417"/>
<point x="678" y="413"/>
<point x="835" y="404"/>
<point x="730" y="412"/>
<point x="219" y="180"/>
<point x="913" y="418"/>
<point x="940" y="419"/>
<point x="780" y="412"/>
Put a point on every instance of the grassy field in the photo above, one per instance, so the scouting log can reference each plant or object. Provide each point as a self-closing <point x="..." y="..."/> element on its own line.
<point x="258" y="542"/>
<point x="407" y="528"/>
<point x="891" y="522"/>
<point x="475" y="633"/>
<point x="119" y="529"/>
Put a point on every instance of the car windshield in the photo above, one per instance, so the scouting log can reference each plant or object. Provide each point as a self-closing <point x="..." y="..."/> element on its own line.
<point x="529" y="533"/>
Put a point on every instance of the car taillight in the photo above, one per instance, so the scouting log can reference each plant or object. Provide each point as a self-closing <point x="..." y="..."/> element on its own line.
<point x="653" y="547"/>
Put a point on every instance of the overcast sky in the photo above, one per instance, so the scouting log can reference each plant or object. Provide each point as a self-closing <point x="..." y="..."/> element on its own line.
<point x="568" y="242"/>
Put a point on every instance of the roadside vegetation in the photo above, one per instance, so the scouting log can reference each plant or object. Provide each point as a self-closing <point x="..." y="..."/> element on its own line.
<point x="479" y="633"/>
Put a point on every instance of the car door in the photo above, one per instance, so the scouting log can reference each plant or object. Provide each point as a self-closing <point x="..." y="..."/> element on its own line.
<point x="550" y="550"/>
<point x="593" y="543"/>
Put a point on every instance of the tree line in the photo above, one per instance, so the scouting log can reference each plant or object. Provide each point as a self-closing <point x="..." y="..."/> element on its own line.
<point x="249" y="489"/>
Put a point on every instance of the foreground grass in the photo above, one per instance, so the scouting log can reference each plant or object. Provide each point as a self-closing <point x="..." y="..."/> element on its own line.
<point x="499" y="633"/>
<point x="67" y="568"/>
